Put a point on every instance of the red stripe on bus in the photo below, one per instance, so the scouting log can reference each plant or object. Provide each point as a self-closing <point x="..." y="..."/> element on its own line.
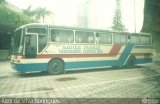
<point x="113" y="52"/>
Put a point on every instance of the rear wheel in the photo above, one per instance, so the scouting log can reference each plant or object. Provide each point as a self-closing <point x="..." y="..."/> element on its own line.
<point x="56" y="66"/>
<point x="131" y="63"/>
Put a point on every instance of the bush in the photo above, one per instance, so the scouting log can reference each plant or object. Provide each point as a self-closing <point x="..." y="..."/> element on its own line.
<point x="12" y="18"/>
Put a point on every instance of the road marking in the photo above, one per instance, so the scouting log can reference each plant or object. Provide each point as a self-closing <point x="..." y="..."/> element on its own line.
<point x="89" y="85"/>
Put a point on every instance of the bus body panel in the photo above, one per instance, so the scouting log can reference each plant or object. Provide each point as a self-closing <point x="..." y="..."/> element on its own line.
<point x="75" y="54"/>
<point x="117" y="55"/>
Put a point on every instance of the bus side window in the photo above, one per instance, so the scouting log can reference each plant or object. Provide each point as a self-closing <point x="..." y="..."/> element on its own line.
<point x="129" y="39"/>
<point x="134" y="39"/>
<point x="64" y="36"/>
<point x="148" y="40"/>
<point x="42" y="42"/>
<point x="97" y="38"/>
<point x="31" y="46"/>
<point x="123" y="39"/>
<point x="57" y="39"/>
<point x="103" y="38"/>
<point x="116" y="39"/>
<point x="119" y="38"/>
<point x="84" y="37"/>
<point x="90" y="39"/>
<point x="53" y="35"/>
<point x="78" y="39"/>
<point x="145" y="40"/>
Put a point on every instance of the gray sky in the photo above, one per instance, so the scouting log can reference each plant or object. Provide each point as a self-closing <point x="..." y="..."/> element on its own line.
<point x="65" y="11"/>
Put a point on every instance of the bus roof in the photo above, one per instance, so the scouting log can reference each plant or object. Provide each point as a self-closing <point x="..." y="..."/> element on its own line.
<point x="141" y="33"/>
<point x="31" y="24"/>
<point x="75" y="28"/>
<point x="67" y="27"/>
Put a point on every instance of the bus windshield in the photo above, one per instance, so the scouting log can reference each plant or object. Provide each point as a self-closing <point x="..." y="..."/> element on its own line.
<point x="17" y="42"/>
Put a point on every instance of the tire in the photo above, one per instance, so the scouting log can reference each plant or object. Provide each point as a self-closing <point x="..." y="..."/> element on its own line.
<point x="56" y="66"/>
<point x="131" y="63"/>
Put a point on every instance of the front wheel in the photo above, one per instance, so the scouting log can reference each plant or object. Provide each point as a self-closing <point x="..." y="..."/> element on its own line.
<point x="56" y="66"/>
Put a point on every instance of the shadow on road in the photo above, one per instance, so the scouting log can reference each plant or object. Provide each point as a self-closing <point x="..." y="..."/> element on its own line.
<point x="41" y="74"/>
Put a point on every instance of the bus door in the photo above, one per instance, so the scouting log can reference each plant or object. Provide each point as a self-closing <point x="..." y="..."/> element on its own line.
<point x="36" y="37"/>
<point x="31" y="45"/>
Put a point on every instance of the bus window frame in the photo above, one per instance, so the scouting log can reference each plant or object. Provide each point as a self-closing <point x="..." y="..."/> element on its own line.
<point x="35" y="34"/>
<point x="120" y="34"/>
<point x="111" y="34"/>
<point x="138" y="35"/>
<point x="61" y="29"/>
<point x="146" y="35"/>
<point x="26" y="28"/>
<point x="21" y="40"/>
<point x="83" y="42"/>
<point x="47" y="36"/>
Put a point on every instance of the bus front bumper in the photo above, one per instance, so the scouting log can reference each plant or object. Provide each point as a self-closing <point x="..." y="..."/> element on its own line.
<point x="29" y="67"/>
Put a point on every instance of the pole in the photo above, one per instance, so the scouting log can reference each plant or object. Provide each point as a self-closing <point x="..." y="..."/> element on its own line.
<point x="134" y="16"/>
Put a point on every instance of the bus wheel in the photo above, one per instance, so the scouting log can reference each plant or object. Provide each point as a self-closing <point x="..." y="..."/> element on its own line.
<point x="131" y="63"/>
<point x="56" y="66"/>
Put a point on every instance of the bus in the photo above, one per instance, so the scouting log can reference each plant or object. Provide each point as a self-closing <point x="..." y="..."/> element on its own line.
<point x="42" y="47"/>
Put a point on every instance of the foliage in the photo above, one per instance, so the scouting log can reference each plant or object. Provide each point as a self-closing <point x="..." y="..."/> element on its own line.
<point x="2" y="1"/>
<point x="41" y="13"/>
<point x="12" y="18"/>
<point x="28" y="11"/>
<point x="117" y="22"/>
<point x="38" y="13"/>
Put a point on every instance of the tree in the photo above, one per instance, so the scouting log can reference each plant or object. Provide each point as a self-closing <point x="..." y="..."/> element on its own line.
<point x="2" y="1"/>
<point x="11" y="18"/>
<point x="37" y="14"/>
<point x="117" y="22"/>
<point x="28" y="11"/>
<point x="41" y="13"/>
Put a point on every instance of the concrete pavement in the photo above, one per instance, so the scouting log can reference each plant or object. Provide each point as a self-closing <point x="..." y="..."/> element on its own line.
<point x="140" y="82"/>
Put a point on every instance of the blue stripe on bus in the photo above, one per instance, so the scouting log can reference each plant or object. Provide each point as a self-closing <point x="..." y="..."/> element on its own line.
<point x="83" y="64"/>
<point x="74" y="65"/>
<point x="144" y="60"/>
<point x="30" y="67"/>
<point x="125" y="54"/>
<point x="143" y="46"/>
<point x="87" y="64"/>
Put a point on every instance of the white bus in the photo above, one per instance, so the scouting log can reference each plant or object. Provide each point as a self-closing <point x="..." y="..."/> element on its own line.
<point x="41" y="47"/>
